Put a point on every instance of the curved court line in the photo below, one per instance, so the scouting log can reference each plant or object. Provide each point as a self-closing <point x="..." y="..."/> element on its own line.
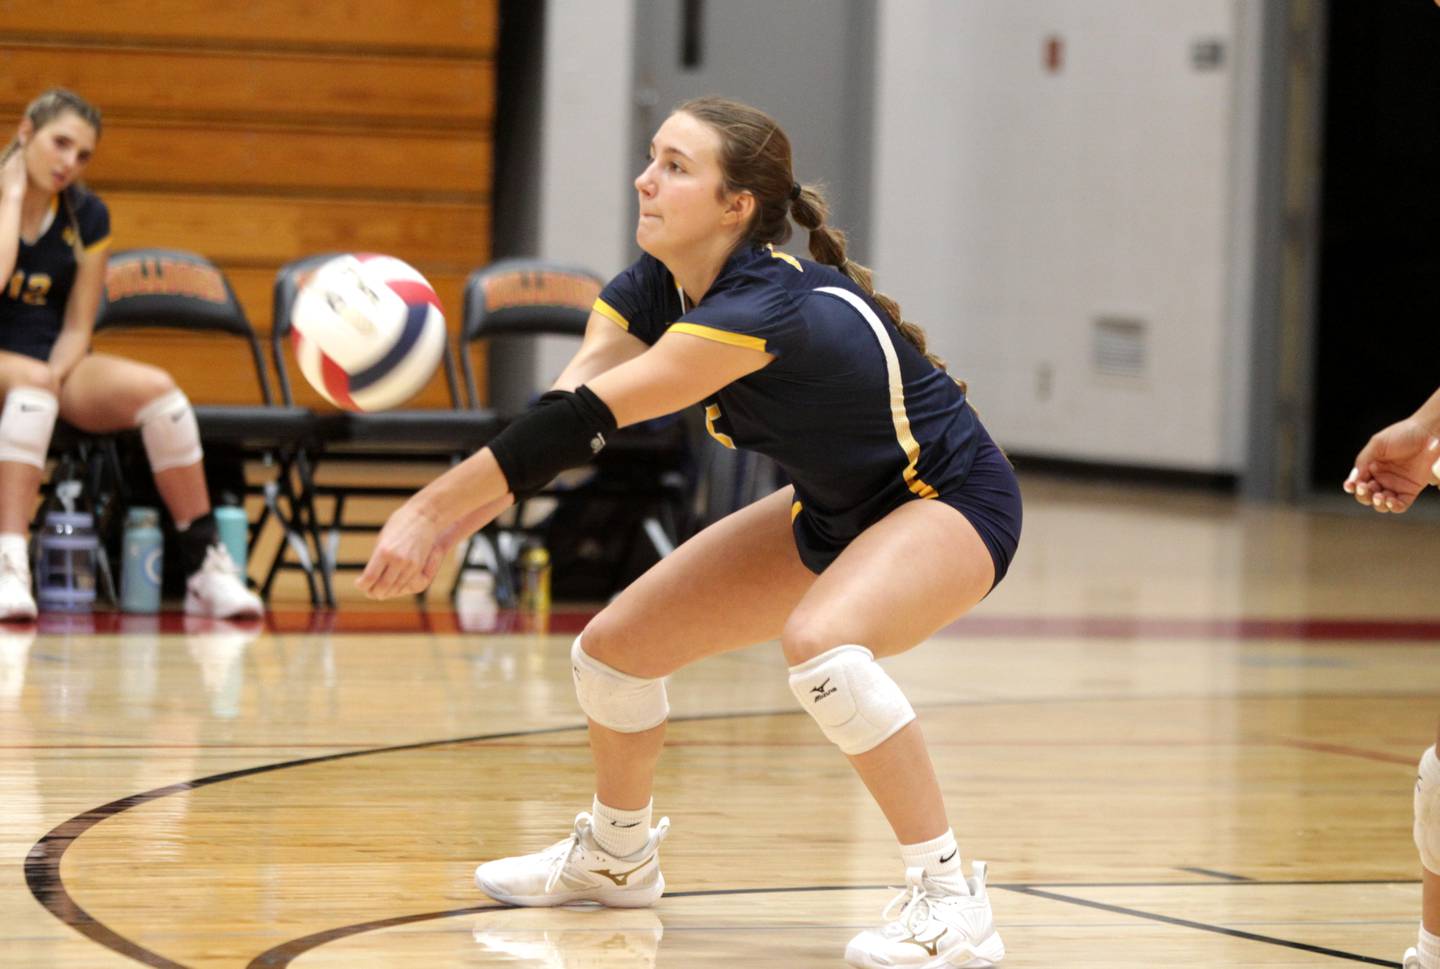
<point x="42" y="862"/>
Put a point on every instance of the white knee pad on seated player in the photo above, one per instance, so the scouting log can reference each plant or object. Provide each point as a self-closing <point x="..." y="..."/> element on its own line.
<point x="26" y="424"/>
<point x="1427" y="811"/>
<point x="167" y="426"/>
<point x="853" y="700"/>
<point x="624" y="703"/>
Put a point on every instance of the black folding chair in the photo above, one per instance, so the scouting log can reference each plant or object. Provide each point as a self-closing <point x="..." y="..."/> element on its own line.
<point x="443" y="435"/>
<point x="173" y="289"/>
<point x="647" y="467"/>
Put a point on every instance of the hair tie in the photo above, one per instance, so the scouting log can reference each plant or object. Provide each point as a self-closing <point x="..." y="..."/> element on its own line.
<point x="794" y="191"/>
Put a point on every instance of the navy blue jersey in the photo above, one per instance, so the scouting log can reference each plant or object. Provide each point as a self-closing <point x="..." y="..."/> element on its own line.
<point x="851" y="410"/>
<point x="32" y="305"/>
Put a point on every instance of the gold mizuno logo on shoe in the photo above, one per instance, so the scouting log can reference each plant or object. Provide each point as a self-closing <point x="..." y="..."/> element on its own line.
<point x="929" y="945"/>
<point x="621" y="877"/>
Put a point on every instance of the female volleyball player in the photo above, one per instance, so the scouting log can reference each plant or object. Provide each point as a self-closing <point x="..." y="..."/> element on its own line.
<point x="1393" y="468"/>
<point x="901" y="517"/>
<point x="53" y="240"/>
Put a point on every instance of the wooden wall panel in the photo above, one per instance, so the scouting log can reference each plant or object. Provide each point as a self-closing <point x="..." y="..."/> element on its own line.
<point x="317" y="89"/>
<point x="459" y="25"/>
<point x="258" y="133"/>
<point x="249" y="230"/>
<point x="379" y="164"/>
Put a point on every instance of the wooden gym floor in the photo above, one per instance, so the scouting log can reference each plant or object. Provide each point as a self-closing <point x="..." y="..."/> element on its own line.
<point x="1182" y="733"/>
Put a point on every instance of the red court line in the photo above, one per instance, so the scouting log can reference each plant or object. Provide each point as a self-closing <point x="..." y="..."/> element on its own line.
<point x="569" y="621"/>
<point x="1347" y="751"/>
<point x="1126" y="627"/>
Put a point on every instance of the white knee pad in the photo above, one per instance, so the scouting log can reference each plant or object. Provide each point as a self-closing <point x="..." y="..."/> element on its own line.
<point x="624" y="703"/>
<point x="167" y="426"/>
<point x="1427" y="811"/>
<point x="26" y="425"/>
<point x="853" y="700"/>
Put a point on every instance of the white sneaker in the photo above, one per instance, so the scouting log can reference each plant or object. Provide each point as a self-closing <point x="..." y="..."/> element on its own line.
<point x="218" y="590"/>
<point x="933" y="929"/>
<point x="1411" y="960"/>
<point x="578" y="870"/>
<point x="16" y="602"/>
<point x="572" y="938"/>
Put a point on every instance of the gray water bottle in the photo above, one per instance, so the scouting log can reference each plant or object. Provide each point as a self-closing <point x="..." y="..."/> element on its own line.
<point x="65" y="570"/>
<point x="143" y="561"/>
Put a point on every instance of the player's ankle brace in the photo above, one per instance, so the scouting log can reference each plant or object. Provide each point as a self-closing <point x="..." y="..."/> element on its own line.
<point x="195" y="540"/>
<point x="1427" y="811"/>
<point x="853" y="700"/>
<point x="619" y="701"/>
<point x="26" y="424"/>
<point x="167" y="426"/>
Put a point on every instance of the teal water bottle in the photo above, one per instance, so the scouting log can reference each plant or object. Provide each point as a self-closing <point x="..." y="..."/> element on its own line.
<point x="143" y="560"/>
<point x="234" y="529"/>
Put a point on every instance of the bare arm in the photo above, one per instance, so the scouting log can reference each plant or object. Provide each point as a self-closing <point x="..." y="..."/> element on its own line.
<point x="12" y="196"/>
<point x="81" y="308"/>
<point x="606" y="345"/>
<point x="679" y="370"/>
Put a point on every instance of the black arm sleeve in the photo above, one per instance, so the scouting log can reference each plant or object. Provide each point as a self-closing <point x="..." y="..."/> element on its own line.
<point x="563" y="430"/>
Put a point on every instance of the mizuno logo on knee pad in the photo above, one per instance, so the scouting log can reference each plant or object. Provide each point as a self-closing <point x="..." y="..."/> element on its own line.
<point x="863" y="707"/>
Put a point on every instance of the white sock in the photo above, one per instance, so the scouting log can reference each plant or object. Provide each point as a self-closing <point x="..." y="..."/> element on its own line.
<point x="1428" y="950"/>
<point x="621" y="833"/>
<point x="940" y="857"/>
<point x="15" y="544"/>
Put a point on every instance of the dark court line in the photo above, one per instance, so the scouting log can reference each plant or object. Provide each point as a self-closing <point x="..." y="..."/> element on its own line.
<point x="43" y="862"/>
<point x="1204" y="926"/>
<point x="282" y="955"/>
<point x="1211" y="873"/>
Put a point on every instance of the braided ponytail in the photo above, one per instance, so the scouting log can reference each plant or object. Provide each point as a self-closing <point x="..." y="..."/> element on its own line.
<point x="827" y="245"/>
<point x="755" y="157"/>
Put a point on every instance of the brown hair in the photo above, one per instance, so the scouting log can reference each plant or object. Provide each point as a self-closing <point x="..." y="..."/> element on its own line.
<point x="45" y="109"/>
<point x="755" y="157"/>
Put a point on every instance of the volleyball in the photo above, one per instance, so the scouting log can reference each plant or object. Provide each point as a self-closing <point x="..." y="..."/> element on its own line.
<point x="368" y="331"/>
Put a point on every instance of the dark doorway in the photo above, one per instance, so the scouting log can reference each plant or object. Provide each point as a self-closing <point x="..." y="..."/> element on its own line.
<point x="1378" y="333"/>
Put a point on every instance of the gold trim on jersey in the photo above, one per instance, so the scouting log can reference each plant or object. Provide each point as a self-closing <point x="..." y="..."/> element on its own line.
<point x="795" y="510"/>
<point x="719" y="336"/>
<point x="98" y="245"/>
<point x="785" y="257"/>
<point x="611" y="314"/>
<point x="898" y="417"/>
<point x="712" y="414"/>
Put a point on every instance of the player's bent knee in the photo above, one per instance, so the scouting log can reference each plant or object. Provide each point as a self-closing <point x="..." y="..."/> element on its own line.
<point x="855" y="702"/>
<point x="616" y="700"/>
<point x="169" y="431"/>
<point x="26" y="423"/>
<point x="1427" y="811"/>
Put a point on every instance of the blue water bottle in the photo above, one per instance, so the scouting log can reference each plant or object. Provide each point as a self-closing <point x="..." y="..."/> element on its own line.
<point x="144" y="557"/>
<point x="234" y="529"/>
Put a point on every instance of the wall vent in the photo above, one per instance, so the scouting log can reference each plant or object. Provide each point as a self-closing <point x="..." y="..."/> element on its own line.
<point x="1120" y="346"/>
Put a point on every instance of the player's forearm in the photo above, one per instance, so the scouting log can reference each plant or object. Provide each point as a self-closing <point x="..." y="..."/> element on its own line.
<point x="69" y="349"/>
<point x="1429" y="414"/>
<point x="464" y="492"/>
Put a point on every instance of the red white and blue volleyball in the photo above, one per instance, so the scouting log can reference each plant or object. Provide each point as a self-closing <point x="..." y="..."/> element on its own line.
<point x="369" y="331"/>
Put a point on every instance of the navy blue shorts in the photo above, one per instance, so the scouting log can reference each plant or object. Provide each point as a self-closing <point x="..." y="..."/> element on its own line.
<point x="988" y="497"/>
